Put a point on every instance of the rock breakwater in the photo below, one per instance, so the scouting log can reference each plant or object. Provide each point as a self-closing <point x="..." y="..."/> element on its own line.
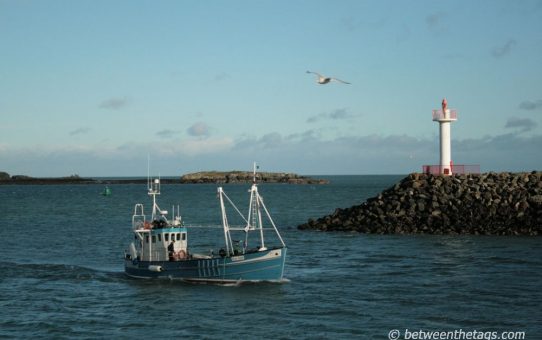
<point x="246" y="177"/>
<point x="481" y="204"/>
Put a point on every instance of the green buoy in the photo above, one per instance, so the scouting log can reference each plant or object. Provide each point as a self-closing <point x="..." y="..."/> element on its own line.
<point x="106" y="192"/>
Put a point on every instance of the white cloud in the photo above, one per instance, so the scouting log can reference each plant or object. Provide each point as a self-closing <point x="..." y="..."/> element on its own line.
<point x="338" y="114"/>
<point x="222" y="76"/>
<point x="267" y="141"/>
<point x="205" y="146"/>
<point x="80" y="131"/>
<point x="306" y="153"/>
<point x="503" y="50"/>
<point x="436" y="22"/>
<point x="186" y="147"/>
<point x="530" y="105"/>
<point x="114" y="103"/>
<point x="199" y="129"/>
<point x="524" y="124"/>
<point x="167" y="133"/>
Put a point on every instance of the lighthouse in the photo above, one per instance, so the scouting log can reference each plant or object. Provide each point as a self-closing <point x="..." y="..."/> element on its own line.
<point x="445" y="117"/>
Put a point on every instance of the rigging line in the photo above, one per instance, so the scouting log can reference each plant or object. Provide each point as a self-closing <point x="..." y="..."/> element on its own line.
<point x="272" y="223"/>
<point x="237" y="228"/>
<point x="233" y="205"/>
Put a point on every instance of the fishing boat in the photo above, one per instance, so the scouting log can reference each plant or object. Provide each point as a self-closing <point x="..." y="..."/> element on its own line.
<point x="161" y="246"/>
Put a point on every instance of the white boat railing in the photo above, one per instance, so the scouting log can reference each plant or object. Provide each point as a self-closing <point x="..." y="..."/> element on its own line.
<point x="138" y="218"/>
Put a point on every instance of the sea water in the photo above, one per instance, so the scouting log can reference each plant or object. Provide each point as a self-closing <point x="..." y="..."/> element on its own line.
<point x="61" y="271"/>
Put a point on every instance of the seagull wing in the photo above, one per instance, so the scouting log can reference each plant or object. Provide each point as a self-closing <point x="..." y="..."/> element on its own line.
<point x="341" y="81"/>
<point x="318" y="74"/>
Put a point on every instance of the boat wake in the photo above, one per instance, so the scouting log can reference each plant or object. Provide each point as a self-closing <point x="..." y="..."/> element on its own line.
<point x="237" y="283"/>
<point x="78" y="274"/>
<point x="217" y="282"/>
<point x="56" y="271"/>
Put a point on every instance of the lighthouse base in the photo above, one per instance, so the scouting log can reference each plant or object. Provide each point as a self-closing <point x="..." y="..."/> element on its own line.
<point x="457" y="169"/>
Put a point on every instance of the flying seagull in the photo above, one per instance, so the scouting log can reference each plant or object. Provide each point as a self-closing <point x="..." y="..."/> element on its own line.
<point x="324" y="80"/>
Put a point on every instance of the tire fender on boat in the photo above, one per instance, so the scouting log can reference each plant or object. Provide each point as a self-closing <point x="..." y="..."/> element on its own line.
<point x="156" y="268"/>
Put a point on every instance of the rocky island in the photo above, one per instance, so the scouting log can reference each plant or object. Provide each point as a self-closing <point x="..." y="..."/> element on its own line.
<point x="246" y="177"/>
<point x="199" y="177"/>
<point x="480" y="204"/>
<point x="5" y="178"/>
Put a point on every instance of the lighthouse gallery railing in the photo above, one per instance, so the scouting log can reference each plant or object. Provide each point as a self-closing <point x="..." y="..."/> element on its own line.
<point x="456" y="169"/>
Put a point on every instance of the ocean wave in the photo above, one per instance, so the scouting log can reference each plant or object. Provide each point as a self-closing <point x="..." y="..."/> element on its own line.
<point x="54" y="271"/>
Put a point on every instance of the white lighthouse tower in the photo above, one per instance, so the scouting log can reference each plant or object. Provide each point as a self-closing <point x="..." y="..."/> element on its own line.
<point x="445" y="117"/>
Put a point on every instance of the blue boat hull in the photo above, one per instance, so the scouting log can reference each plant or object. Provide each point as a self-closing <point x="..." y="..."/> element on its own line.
<point x="257" y="266"/>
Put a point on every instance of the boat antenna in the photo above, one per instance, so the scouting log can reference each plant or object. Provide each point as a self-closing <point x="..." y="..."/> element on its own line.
<point x="254" y="173"/>
<point x="148" y="171"/>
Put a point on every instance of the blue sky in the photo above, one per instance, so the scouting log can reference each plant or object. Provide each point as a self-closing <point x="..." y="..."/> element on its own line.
<point x="93" y="87"/>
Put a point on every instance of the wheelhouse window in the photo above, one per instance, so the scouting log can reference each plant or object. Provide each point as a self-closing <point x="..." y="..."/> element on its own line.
<point x="178" y="236"/>
<point x="159" y="237"/>
<point x="184" y="236"/>
<point x="166" y="237"/>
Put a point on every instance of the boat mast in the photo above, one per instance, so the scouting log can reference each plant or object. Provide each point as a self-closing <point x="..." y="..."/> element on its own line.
<point x="154" y="189"/>
<point x="258" y="201"/>
<point x="254" y="212"/>
<point x="148" y="172"/>
<point x="225" y="225"/>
